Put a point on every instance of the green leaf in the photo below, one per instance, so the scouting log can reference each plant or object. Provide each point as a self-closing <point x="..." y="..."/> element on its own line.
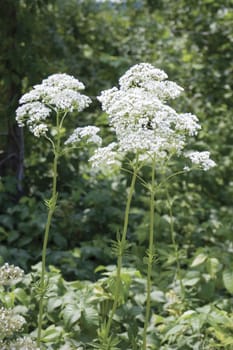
<point x="157" y="296"/>
<point x="71" y="314"/>
<point x="54" y="303"/>
<point x="191" y="282"/>
<point x="188" y="314"/>
<point x="21" y="295"/>
<point x="90" y="316"/>
<point x="228" y="280"/>
<point x="176" y="330"/>
<point x="224" y="337"/>
<point x="199" y="259"/>
<point x="51" y="334"/>
<point x="213" y="266"/>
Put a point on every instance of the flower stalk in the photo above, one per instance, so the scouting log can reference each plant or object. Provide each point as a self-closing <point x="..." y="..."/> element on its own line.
<point x="51" y="205"/>
<point x="120" y="253"/>
<point x="57" y="95"/>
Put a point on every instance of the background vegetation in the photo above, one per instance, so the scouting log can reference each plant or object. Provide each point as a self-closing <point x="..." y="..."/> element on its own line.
<point x="97" y="42"/>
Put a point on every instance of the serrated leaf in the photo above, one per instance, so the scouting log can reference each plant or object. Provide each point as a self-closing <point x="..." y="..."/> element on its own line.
<point x="71" y="314"/>
<point x="90" y="316"/>
<point x="228" y="280"/>
<point x="54" y="303"/>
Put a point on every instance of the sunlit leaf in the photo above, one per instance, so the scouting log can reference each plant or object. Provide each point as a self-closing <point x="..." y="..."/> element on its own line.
<point x="199" y="259"/>
<point x="228" y="280"/>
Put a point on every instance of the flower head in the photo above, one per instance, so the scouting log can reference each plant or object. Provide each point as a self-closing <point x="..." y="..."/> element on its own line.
<point x="141" y="118"/>
<point x="10" y="274"/>
<point x="201" y="159"/>
<point x="63" y="81"/>
<point x="139" y="75"/>
<point x="24" y="343"/>
<point x="10" y="322"/>
<point x="88" y="133"/>
<point x="33" y="114"/>
<point x="106" y="158"/>
<point x="59" y="93"/>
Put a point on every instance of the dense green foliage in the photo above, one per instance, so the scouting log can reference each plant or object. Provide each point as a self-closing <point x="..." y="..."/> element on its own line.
<point x="97" y="42"/>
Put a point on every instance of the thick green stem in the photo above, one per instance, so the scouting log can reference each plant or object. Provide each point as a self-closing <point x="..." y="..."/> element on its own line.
<point x="121" y="248"/>
<point x="51" y="208"/>
<point x="150" y="255"/>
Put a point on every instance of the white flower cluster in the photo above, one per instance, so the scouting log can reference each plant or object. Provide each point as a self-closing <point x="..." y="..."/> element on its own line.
<point x="201" y="159"/>
<point x="87" y="133"/>
<point x="24" y="343"/>
<point x="106" y="158"/>
<point x="59" y="93"/>
<point x="141" y="118"/>
<point x="10" y="274"/>
<point x="10" y="322"/>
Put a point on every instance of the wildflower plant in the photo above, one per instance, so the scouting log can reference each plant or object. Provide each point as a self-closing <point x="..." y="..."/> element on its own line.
<point x="24" y="343"/>
<point x="10" y="274"/>
<point x="43" y="110"/>
<point x="11" y="321"/>
<point x="148" y="132"/>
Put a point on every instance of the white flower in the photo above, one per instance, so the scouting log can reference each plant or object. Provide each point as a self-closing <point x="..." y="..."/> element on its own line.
<point x="60" y="99"/>
<point x="126" y="107"/>
<point x="9" y="274"/>
<point x="164" y="90"/>
<point x="30" y="113"/>
<point x="66" y="99"/>
<point x="39" y="129"/>
<point x="202" y="159"/>
<point x="142" y="120"/>
<point x="140" y="74"/>
<point x="188" y="122"/>
<point x="24" y="343"/>
<point x="89" y="133"/>
<point x="33" y="95"/>
<point x="33" y="114"/>
<point x="10" y="322"/>
<point x="59" y="93"/>
<point x="63" y="81"/>
<point x="139" y="103"/>
<point x="106" y="158"/>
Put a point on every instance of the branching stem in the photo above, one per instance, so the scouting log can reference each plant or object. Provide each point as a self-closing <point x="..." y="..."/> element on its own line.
<point x="121" y="249"/>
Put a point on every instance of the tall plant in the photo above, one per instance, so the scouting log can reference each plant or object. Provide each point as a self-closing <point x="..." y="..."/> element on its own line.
<point x="44" y="110"/>
<point x="148" y="132"/>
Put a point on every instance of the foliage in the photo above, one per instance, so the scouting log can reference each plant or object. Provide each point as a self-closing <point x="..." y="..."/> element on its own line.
<point x="75" y="309"/>
<point x="192" y="41"/>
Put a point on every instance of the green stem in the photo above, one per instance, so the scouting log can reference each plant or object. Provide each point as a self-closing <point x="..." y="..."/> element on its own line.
<point x="51" y="208"/>
<point x="150" y="255"/>
<point x="122" y="245"/>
